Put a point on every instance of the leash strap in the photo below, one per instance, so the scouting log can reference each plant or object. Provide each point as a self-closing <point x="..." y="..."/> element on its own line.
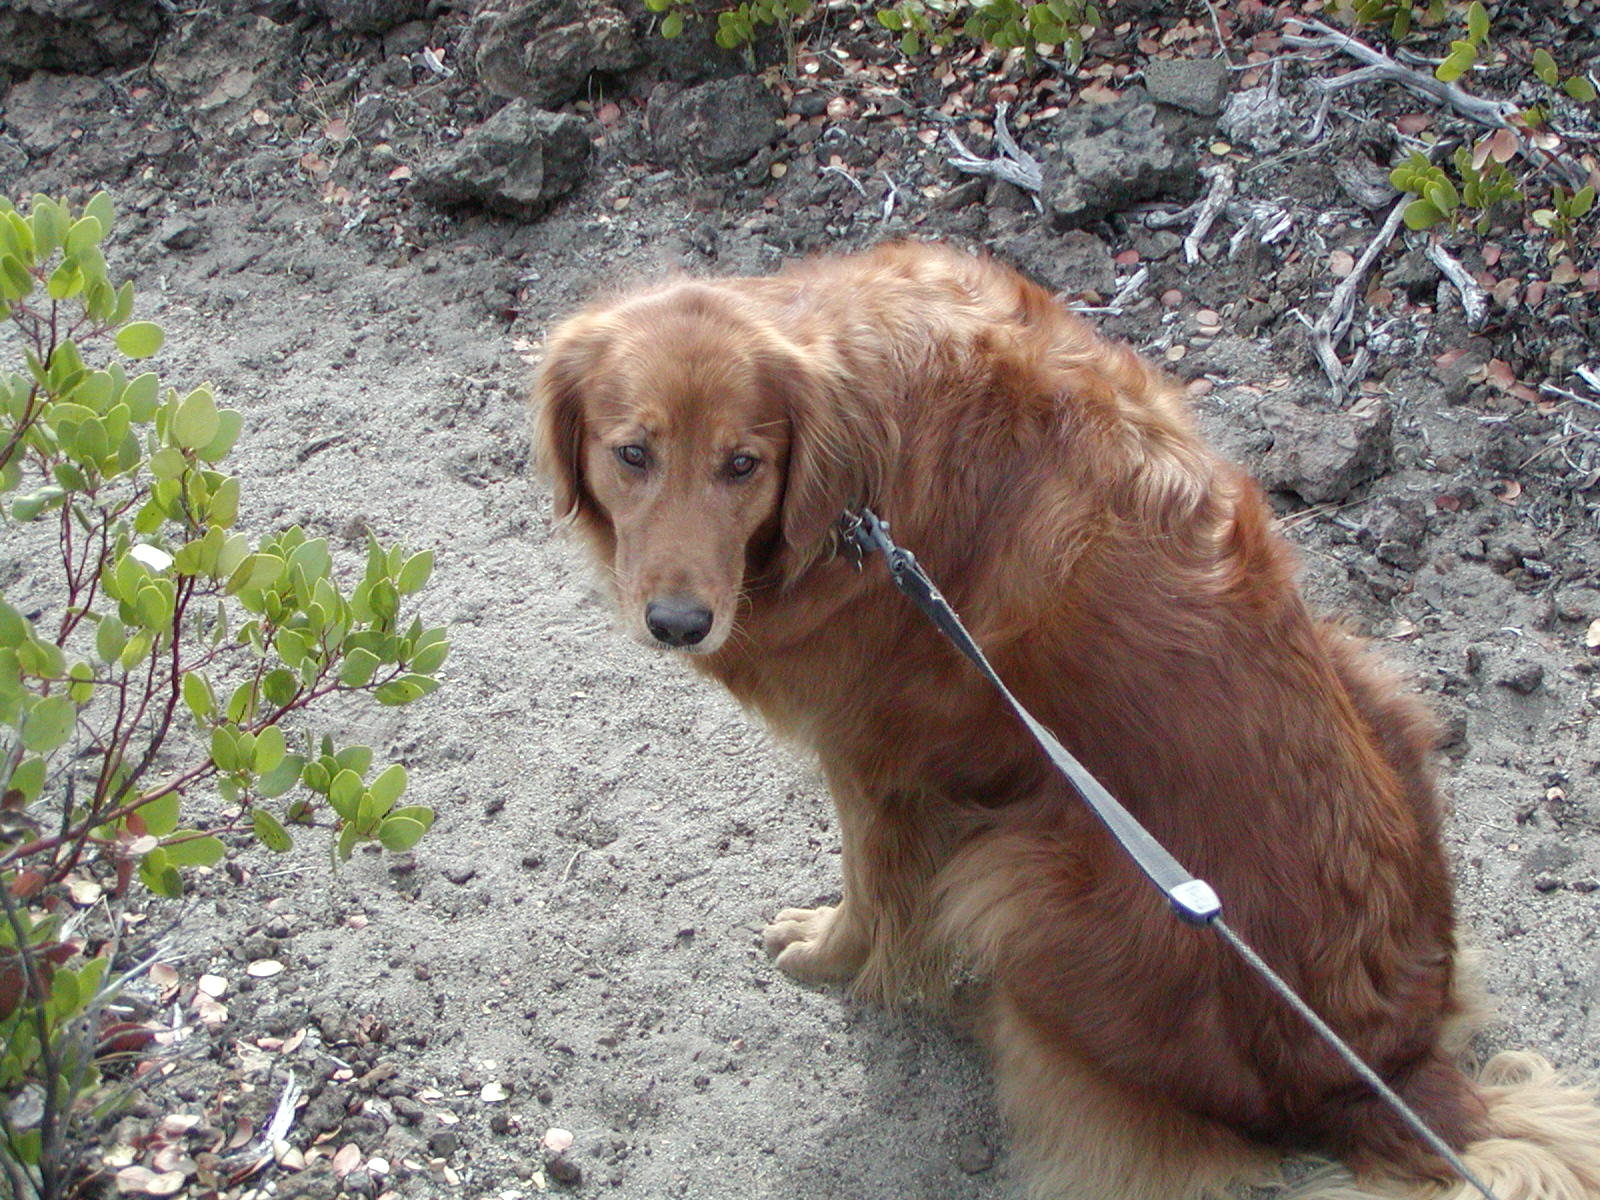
<point x="1192" y="899"/>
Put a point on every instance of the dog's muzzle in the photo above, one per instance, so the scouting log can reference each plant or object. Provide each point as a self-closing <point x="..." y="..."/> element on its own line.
<point x="677" y="622"/>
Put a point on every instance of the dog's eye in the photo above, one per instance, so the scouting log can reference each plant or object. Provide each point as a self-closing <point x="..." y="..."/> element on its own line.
<point x="741" y="465"/>
<point x="633" y="455"/>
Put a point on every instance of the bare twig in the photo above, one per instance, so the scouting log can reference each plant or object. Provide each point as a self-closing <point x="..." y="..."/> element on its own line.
<point x="1495" y="114"/>
<point x="1216" y="198"/>
<point x="1473" y="298"/>
<point x="890" y="197"/>
<point x="1334" y="323"/>
<point x="1013" y="164"/>
<point x="849" y="178"/>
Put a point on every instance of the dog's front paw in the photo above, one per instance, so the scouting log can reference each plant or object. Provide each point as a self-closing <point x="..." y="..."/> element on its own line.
<point x="816" y="945"/>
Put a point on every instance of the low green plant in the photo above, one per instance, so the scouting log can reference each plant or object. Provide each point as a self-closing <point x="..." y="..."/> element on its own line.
<point x="156" y="665"/>
<point x="737" y="25"/>
<point x="1398" y="15"/>
<point x="1561" y="219"/>
<point x="1002" y="24"/>
<point x="1482" y="182"/>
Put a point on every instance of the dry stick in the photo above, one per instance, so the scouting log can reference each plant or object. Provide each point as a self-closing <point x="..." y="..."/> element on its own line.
<point x="1332" y="325"/>
<point x="1493" y="113"/>
<point x="1473" y="298"/>
<point x="1013" y="164"/>
<point x="1215" y="201"/>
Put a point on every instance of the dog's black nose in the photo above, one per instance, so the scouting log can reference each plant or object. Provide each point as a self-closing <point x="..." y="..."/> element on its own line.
<point x="677" y="622"/>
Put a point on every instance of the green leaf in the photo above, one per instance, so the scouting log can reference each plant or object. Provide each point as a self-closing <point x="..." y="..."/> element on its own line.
<point x="387" y="787"/>
<point x="49" y="724"/>
<point x="355" y="758"/>
<point x="1579" y="88"/>
<point x="1582" y="201"/>
<point x="198" y="696"/>
<point x="196" y="422"/>
<point x="358" y="668"/>
<point x="345" y="793"/>
<point x="1544" y="66"/>
<point x="81" y="689"/>
<point x="672" y="25"/>
<point x="282" y="777"/>
<point x="142" y="395"/>
<point x="159" y="875"/>
<point x="101" y="209"/>
<point x="140" y="339"/>
<point x="85" y="232"/>
<point x="400" y="833"/>
<point x="348" y="837"/>
<point x="160" y="816"/>
<point x="1443" y="195"/>
<point x="429" y="659"/>
<point x="270" y="749"/>
<point x="415" y="572"/>
<point x="1421" y="214"/>
<point x="224" y="749"/>
<point x="109" y="639"/>
<point x="28" y="779"/>
<point x="195" y="852"/>
<point x="229" y="422"/>
<point x="1477" y="22"/>
<point x="269" y="832"/>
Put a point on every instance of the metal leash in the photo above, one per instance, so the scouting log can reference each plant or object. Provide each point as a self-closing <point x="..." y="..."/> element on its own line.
<point x="1193" y="899"/>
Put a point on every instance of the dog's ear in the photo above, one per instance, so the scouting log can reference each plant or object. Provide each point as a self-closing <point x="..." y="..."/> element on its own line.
<point x="841" y="449"/>
<point x="572" y="356"/>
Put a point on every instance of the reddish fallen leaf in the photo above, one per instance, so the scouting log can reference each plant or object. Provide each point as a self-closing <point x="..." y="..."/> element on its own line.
<point x="142" y="1181"/>
<point x="1447" y="503"/>
<point x="1341" y="263"/>
<point x="1491" y="253"/>
<point x="1127" y="258"/>
<point x="1533" y="294"/>
<point x="1564" y="273"/>
<point x="347" y="1159"/>
<point x="1413" y="123"/>
<point x="1507" y="491"/>
<point x="336" y="130"/>
<point x="1499" y="374"/>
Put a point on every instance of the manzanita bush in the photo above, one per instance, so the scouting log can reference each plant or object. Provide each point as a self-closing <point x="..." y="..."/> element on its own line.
<point x="156" y="665"/>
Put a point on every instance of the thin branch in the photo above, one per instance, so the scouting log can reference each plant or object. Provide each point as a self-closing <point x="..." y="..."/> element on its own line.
<point x="1215" y="201"/>
<point x="1473" y="298"/>
<point x="1013" y="164"/>
<point x="1334" y="323"/>
<point x="1495" y="114"/>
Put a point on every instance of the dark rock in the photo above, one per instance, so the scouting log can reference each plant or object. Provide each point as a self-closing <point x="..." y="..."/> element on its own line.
<point x="316" y="1182"/>
<point x="1197" y="85"/>
<point x="1525" y="680"/>
<point x="180" y="233"/>
<point x="974" y="1155"/>
<point x="1546" y="882"/>
<point x="1102" y="159"/>
<point x="563" y="1170"/>
<point x="1394" y="532"/>
<point x="1325" y="456"/>
<point x="443" y="1143"/>
<point x="713" y="125"/>
<point x="1414" y="274"/>
<point x="1072" y="262"/>
<point x="77" y="35"/>
<point x="368" y="16"/>
<point x="544" y="51"/>
<point x="517" y="162"/>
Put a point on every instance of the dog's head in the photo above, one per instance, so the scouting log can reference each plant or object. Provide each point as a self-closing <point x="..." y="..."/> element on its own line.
<point x="701" y="451"/>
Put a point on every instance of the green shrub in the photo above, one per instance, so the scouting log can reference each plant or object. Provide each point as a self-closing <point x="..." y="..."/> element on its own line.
<point x="155" y="664"/>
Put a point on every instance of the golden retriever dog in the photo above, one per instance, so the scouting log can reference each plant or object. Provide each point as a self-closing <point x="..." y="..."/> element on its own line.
<point x="706" y="435"/>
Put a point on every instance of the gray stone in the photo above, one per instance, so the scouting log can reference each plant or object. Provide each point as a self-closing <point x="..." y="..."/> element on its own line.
<point x="517" y="162"/>
<point x="369" y="16"/>
<point x="974" y="1155"/>
<point x="1102" y="159"/>
<point x="1325" y="456"/>
<point x="545" y="50"/>
<point x="77" y="35"/>
<point x="1072" y="262"/>
<point x="713" y="125"/>
<point x="1197" y="85"/>
<point x="43" y="109"/>
<point x="180" y="233"/>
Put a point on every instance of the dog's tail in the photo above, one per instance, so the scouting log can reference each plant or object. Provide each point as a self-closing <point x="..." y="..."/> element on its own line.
<point x="1545" y="1144"/>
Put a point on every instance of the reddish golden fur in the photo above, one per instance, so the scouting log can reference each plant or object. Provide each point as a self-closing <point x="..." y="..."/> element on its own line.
<point x="1129" y="586"/>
